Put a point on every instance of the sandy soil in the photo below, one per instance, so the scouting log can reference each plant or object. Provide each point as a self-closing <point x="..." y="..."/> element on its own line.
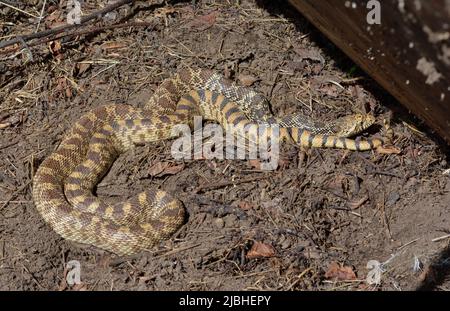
<point x="312" y="224"/>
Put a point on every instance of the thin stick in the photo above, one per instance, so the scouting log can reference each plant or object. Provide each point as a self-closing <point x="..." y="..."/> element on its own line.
<point x="227" y="183"/>
<point x="26" y="48"/>
<point x="17" y="9"/>
<point x="40" y="16"/>
<point x="65" y="27"/>
<point x="12" y="196"/>
<point x="441" y="238"/>
<point x="83" y="32"/>
<point x="176" y="250"/>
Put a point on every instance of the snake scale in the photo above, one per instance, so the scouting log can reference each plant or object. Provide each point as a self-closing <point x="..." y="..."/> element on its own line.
<point x="64" y="183"/>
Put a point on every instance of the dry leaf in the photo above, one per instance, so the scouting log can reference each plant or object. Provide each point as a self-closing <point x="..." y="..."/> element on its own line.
<point x="259" y="250"/>
<point x="163" y="12"/>
<point x="164" y="168"/>
<point x="64" y="87"/>
<point x="337" y="272"/>
<point x="283" y="161"/>
<point x="82" y="67"/>
<point x="309" y="53"/>
<point x="389" y="149"/>
<point x="55" y="48"/>
<point x="56" y="19"/>
<point x="255" y="163"/>
<point x="80" y="287"/>
<point x="428" y="275"/>
<point x="245" y="205"/>
<point x="357" y="203"/>
<point x="204" y="22"/>
<point x="275" y="203"/>
<point x="113" y="45"/>
<point x="296" y="65"/>
<point x="157" y="168"/>
<point x="337" y="185"/>
<point x="316" y="68"/>
<point x="211" y="164"/>
<point x="68" y="92"/>
<point x="62" y="285"/>
<point x="172" y="170"/>
<point x="11" y="120"/>
<point x="330" y="90"/>
<point x="247" y="80"/>
<point x="58" y="24"/>
<point x="144" y="279"/>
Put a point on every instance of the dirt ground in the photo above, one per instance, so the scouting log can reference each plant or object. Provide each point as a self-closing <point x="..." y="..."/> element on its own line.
<point x="312" y="224"/>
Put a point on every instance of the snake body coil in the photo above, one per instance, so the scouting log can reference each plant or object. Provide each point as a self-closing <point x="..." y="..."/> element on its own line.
<point x="64" y="183"/>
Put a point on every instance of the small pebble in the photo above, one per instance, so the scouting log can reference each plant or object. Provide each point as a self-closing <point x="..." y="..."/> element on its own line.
<point x="286" y="244"/>
<point x="231" y="220"/>
<point x="392" y="198"/>
<point x="219" y="223"/>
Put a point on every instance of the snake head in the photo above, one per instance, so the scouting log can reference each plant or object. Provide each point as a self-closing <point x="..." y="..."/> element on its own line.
<point x="353" y="124"/>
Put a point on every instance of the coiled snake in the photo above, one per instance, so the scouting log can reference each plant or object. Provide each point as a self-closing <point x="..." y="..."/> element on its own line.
<point x="63" y="184"/>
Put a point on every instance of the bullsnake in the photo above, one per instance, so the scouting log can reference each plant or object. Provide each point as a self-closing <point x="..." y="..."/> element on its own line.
<point x="63" y="184"/>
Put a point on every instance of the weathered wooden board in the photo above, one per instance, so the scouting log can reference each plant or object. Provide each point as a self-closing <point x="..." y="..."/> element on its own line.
<point x="407" y="53"/>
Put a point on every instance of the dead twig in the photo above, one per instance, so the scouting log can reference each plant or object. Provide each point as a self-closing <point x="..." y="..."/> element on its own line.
<point x="102" y="28"/>
<point x="84" y="32"/>
<point x="386" y="174"/>
<point x="218" y="185"/>
<point x="57" y="30"/>
<point x="9" y="144"/>
<point x="40" y="16"/>
<point x="441" y="238"/>
<point x="17" y="9"/>
<point x="35" y="280"/>
<point x="26" y="48"/>
<point x="12" y="196"/>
